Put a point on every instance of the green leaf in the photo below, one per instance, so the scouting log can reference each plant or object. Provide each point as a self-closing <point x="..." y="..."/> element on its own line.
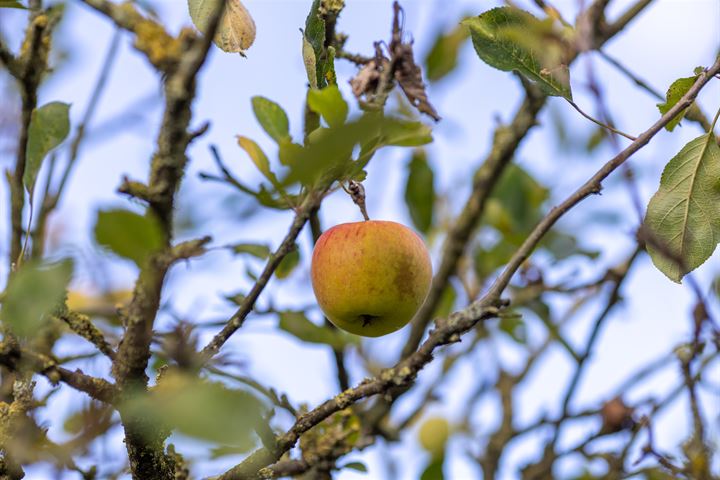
<point x="272" y="118"/>
<point x="298" y="325"/>
<point x="328" y="154"/>
<point x="511" y="39"/>
<point x="314" y="35"/>
<point x="683" y="217"/>
<point x="128" y="234"/>
<point x="434" y="470"/>
<point x="288" y="153"/>
<point x="358" y="466"/>
<point x="34" y="291"/>
<point x="487" y="260"/>
<point x="328" y="103"/>
<point x="49" y="125"/>
<point x="515" y="204"/>
<point x="256" y="250"/>
<point x="12" y="4"/>
<point x="405" y="134"/>
<point x="676" y="91"/>
<point x="563" y="245"/>
<point x="420" y="191"/>
<point x="288" y="264"/>
<point x="443" y="56"/>
<point x="446" y="303"/>
<point x="514" y="326"/>
<point x="259" y="158"/>
<point x="198" y="408"/>
<point x="236" y="31"/>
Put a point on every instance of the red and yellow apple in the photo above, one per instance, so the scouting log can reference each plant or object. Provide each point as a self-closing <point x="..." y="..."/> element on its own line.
<point x="370" y="277"/>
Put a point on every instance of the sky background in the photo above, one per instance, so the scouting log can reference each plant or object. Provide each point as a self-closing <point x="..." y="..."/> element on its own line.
<point x="666" y="42"/>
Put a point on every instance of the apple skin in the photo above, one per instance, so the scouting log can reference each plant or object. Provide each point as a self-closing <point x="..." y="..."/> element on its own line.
<point x="370" y="277"/>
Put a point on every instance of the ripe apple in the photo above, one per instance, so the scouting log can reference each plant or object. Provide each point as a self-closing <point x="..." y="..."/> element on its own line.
<point x="370" y="277"/>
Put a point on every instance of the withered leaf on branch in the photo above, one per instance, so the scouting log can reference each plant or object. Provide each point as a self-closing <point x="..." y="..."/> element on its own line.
<point x="378" y="76"/>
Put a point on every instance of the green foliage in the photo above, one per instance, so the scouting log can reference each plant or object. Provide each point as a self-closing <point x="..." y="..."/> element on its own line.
<point x="329" y="104"/>
<point x="12" y="4"/>
<point x="128" y="234"/>
<point x="420" y="191"/>
<point x="256" y="250"/>
<point x="511" y="39"/>
<point x="514" y="207"/>
<point x="434" y="469"/>
<point x="298" y="325"/>
<point x="676" y="91"/>
<point x="259" y="159"/>
<point x="34" y="291"/>
<point x="357" y="466"/>
<point x="288" y="264"/>
<point x="319" y="61"/>
<point x="443" y="56"/>
<point x="447" y="302"/>
<point x="328" y="153"/>
<point x="683" y="217"/>
<point x="49" y="125"/>
<point x="514" y="326"/>
<point x="198" y="408"/>
<point x="272" y="118"/>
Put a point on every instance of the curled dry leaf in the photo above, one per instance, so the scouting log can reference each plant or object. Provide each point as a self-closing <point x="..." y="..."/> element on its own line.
<point x="236" y="32"/>
<point x="379" y="74"/>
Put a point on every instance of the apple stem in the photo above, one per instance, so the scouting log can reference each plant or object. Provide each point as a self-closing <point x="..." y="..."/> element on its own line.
<point x="357" y="193"/>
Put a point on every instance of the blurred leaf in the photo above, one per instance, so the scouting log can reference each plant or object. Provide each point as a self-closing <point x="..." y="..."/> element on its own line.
<point x="676" y="91"/>
<point x="198" y="408"/>
<point x="563" y="245"/>
<point x="272" y="118"/>
<point x="254" y="249"/>
<point x="236" y="298"/>
<point x="405" y="134"/>
<point x="288" y="264"/>
<point x="328" y="103"/>
<point x="358" y="466"/>
<point x="11" y="4"/>
<point x="434" y="470"/>
<point x="683" y="217"/>
<point x="328" y="154"/>
<point x="446" y="303"/>
<point x="595" y="140"/>
<point x="511" y="39"/>
<point x="514" y="326"/>
<point x="34" y="291"/>
<point x="289" y="152"/>
<point x="420" y="191"/>
<point x="259" y="159"/>
<point x="443" y="56"/>
<point x="128" y="234"/>
<point x="236" y="32"/>
<point x="49" y="125"/>
<point x="514" y="207"/>
<point x="486" y="261"/>
<point x="298" y="325"/>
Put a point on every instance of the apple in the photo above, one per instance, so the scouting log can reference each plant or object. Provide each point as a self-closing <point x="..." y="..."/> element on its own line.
<point x="370" y="277"/>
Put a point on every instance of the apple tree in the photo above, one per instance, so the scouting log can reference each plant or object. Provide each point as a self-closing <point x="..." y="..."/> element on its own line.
<point x="157" y="315"/>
